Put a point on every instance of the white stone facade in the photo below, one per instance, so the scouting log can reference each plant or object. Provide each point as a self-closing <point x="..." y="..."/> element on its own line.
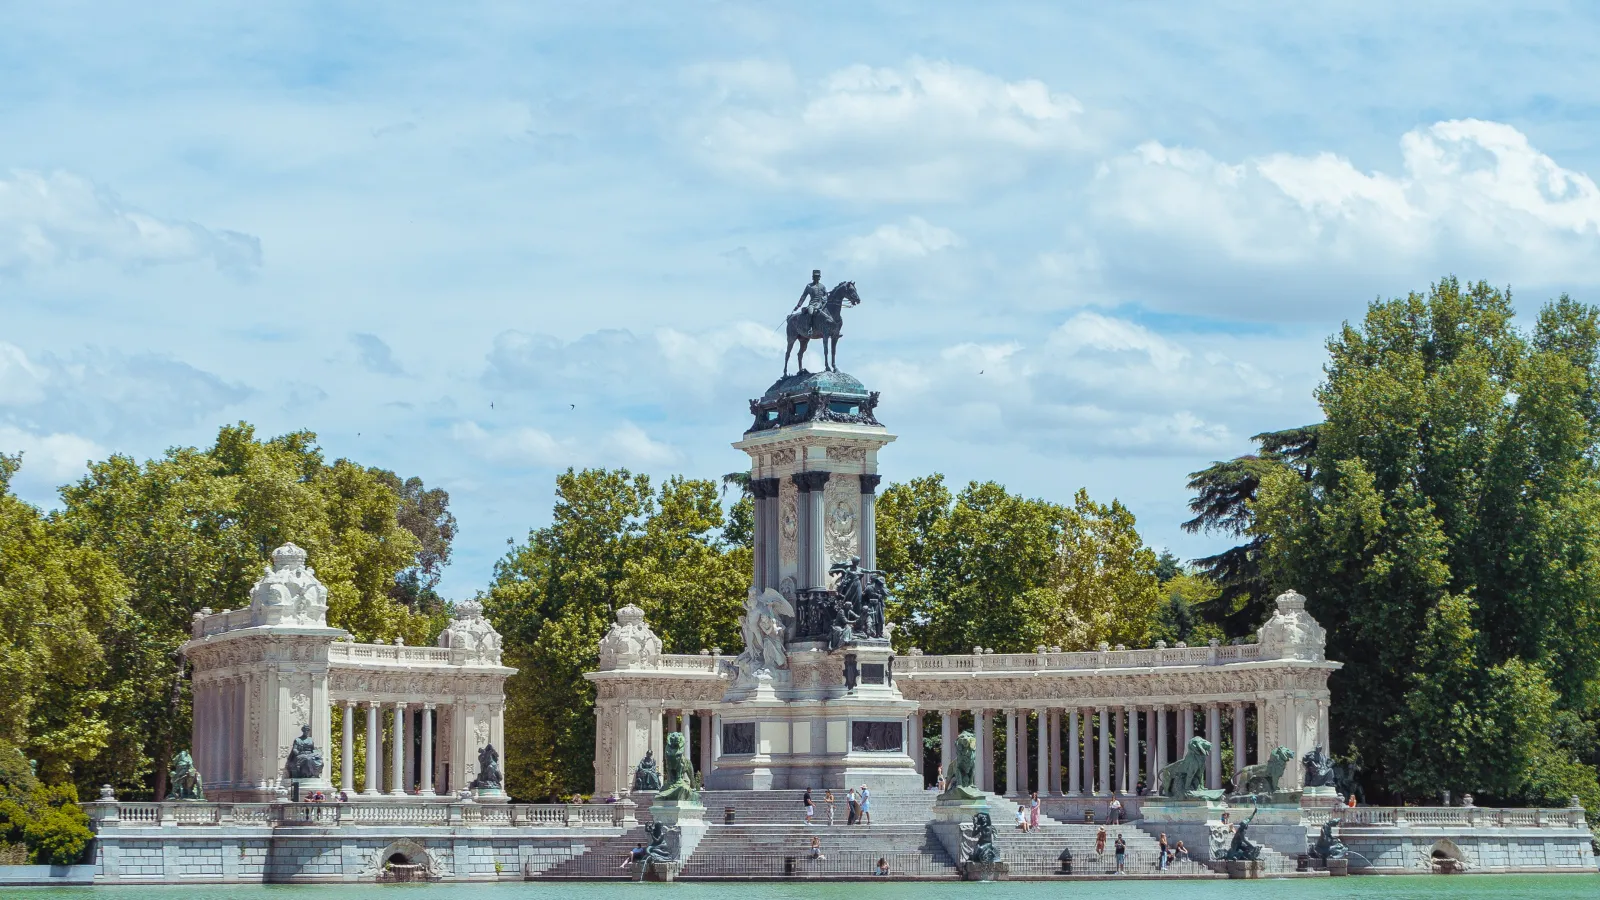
<point x="263" y="672"/>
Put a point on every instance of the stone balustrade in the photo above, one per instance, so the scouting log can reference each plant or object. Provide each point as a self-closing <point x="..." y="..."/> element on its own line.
<point x="119" y="815"/>
<point x="1448" y="817"/>
<point x="1211" y="655"/>
<point x="397" y="654"/>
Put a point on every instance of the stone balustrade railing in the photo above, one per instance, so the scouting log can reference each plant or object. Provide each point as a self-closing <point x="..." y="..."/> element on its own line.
<point x="1222" y="654"/>
<point x="116" y="814"/>
<point x="398" y="654"/>
<point x="1448" y="816"/>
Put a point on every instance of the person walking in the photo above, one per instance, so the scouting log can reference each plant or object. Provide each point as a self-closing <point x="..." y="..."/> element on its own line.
<point x="1122" y="854"/>
<point x="1161" y="861"/>
<point x="1114" y="813"/>
<point x="827" y="797"/>
<point x="1100" y="842"/>
<point x="1033" y="812"/>
<point x="855" y="807"/>
<point x="866" y="806"/>
<point x="811" y="809"/>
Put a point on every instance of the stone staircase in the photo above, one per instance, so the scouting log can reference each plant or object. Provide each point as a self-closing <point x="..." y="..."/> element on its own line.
<point x="601" y="860"/>
<point x="782" y="851"/>
<point x="1038" y="853"/>
<point x="784" y="807"/>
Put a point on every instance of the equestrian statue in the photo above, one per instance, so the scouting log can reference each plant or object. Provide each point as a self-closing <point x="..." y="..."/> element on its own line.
<point x="816" y="316"/>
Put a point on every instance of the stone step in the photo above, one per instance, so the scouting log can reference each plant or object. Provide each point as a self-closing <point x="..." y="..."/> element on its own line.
<point x="600" y="860"/>
<point x="779" y="851"/>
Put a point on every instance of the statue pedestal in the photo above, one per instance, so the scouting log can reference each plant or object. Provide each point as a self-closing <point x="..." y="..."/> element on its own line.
<point x="490" y="795"/>
<point x="950" y="812"/>
<point x="303" y="787"/>
<point x="1337" y="867"/>
<point x="1244" y="868"/>
<point x="688" y="819"/>
<point x="662" y="871"/>
<point x="976" y="871"/>
<point x="1319" y="798"/>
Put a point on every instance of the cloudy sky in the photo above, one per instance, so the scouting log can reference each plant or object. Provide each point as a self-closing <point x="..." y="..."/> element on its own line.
<point x="1098" y="244"/>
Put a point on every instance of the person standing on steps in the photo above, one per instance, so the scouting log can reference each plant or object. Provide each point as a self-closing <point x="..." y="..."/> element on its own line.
<point x="855" y="807"/>
<point x="866" y="806"/>
<point x="1033" y="812"/>
<point x="827" y="797"/>
<point x="1122" y="855"/>
<point x="1114" y="812"/>
<point x="811" y="810"/>
<point x="1100" y="842"/>
<point x="1161" y="861"/>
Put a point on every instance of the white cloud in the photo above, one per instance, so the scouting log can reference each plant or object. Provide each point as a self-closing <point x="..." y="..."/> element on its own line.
<point x="50" y="459"/>
<point x="1470" y="195"/>
<point x="630" y="445"/>
<point x="914" y="239"/>
<point x="59" y="217"/>
<point x="1096" y="384"/>
<point x="514" y="446"/>
<point x="926" y="130"/>
<point x="375" y="355"/>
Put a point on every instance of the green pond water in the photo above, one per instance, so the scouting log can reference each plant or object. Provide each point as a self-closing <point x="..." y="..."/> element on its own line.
<point x="1371" y="887"/>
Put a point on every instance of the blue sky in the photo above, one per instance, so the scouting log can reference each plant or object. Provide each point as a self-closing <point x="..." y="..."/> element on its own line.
<point x="1138" y="221"/>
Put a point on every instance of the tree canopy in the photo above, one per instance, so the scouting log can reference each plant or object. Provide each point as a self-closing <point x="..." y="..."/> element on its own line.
<point x="1445" y="525"/>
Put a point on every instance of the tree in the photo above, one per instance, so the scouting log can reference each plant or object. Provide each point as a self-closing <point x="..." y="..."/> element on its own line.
<point x="612" y="540"/>
<point x="425" y="512"/>
<point x="989" y="568"/>
<point x="194" y="529"/>
<point x="1177" y="616"/>
<point x="1446" y="529"/>
<point x="59" y="604"/>
<point x="1223" y="496"/>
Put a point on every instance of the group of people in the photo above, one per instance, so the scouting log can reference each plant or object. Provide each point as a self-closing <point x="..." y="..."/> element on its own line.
<point x="859" y="800"/>
<point x="1169" y="853"/>
<point x="1028" y="815"/>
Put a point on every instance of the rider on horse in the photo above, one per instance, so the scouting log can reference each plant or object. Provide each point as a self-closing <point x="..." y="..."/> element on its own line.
<point x="817" y="294"/>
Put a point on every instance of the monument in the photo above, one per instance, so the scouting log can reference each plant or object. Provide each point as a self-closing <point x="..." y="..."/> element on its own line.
<point x="813" y="700"/>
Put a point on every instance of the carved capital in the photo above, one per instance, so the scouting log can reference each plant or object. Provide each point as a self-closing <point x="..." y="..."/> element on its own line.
<point x="869" y="483"/>
<point x="764" y="488"/>
<point x="810" y="481"/>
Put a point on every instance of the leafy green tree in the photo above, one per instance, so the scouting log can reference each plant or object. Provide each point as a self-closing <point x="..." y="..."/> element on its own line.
<point x="1178" y="617"/>
<point x="612" y="540"/>
<point x="989" y="568"/>
<point x="1445" y="531"/>
<point x="193" y="529"/>
<point x="58" y="603"/>
<point x="1223" y="494"/>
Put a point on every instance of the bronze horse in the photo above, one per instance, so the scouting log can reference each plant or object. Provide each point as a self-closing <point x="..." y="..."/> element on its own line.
<point x="805" y="326"/>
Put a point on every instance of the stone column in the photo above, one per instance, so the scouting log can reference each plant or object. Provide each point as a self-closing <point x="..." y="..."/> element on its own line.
<point x="1011" y="753"/>
<point x="1185" y="731"/>
<point x="347" y="750"/>
<point x="802" y="535"/>
<point x="1261" y="729"/>
<point x="716" y="737"/>
<point x="1238" y="738"/>
<point x="410" y="767"/>
<point x="985" y="728"/>
<point x="374" y="750"/>
<point x="1074" y="755"/>
<point x="1133" y="750"/>
<point x="1105" y="750"/>
<point x="868" y="527"/>
<point x="1022" y="750"/>
<point x="1046" y="738"/>
<point x="1150" y="747"/>
<point x="761" y="538"/>
<point x="947" y="740"/>
<point x="1161" y="745"/>
<point x="914" y="744"/>
<point x="705" y="743"/>
<point x="683" y="729"/>
<point x="397" y="786"/>
<point x="774" y="543"/>
<point x="816" y="535"/>
<point x="1091" y="785"/>
<point x="1214" y="735"/>
<point x="425" y="788"/>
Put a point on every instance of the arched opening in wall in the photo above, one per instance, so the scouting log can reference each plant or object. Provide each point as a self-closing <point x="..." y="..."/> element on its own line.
<point x="403" y="861"/>
<point x="1445" y="858"/>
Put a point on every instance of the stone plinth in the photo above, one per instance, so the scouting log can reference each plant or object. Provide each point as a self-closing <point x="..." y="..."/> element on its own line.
<point x="688" y="819"/>
<point x="976" y="871"/>
<point x="1244" y="868"/>
<point x="662" y="871"/>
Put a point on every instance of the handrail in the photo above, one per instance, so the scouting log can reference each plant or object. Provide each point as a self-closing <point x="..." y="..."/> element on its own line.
<point x="190" y="814"/>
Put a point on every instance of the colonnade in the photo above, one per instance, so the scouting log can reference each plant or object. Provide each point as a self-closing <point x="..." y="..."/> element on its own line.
<point x="1108" y="750"/>
<point x="702" y="749"/>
